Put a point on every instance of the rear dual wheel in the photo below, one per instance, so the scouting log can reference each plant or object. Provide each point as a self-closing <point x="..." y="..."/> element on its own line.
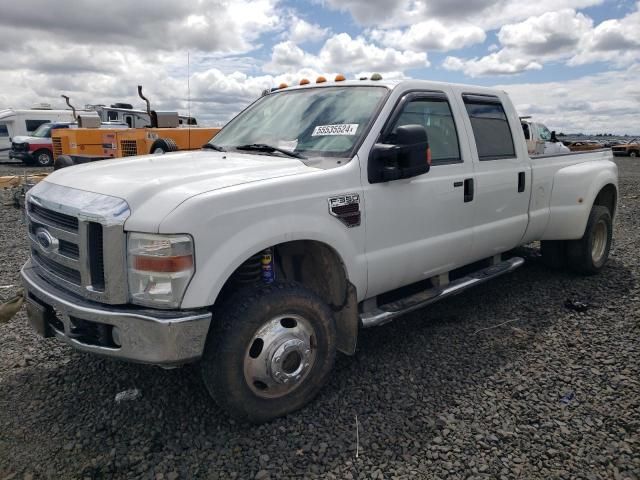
<point x="271" y="353"/>
<point x="587" y="255"/>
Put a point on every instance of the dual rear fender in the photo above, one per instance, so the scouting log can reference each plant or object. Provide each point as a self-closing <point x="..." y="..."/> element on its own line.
<point x="576" y="189"/>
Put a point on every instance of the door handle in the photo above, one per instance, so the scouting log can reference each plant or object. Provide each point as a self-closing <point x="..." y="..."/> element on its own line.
<point x="522" y="182"/>
<point x="468" y="190"/>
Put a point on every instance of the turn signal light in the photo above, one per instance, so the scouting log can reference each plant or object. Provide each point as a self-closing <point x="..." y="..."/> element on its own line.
<point x="429" y="156"/>
<point x="321" y="80"/>
<point x="149" y="263"/>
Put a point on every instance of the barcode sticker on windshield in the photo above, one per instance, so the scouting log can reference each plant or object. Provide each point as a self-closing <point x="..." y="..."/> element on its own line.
<point x="344" y="129"/>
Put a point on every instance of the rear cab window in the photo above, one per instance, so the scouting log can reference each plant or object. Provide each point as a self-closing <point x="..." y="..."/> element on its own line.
<point x="490" y="125"/>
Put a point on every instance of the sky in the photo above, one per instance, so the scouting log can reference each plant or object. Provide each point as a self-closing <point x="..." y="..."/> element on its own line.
<point x="572" y="64"/>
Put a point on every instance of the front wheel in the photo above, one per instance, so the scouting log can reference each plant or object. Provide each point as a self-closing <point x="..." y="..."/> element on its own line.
<point x="590" y="254"/>
<point x="633" y="154"/>
<point x="43" y="158"/>
<point x="271" y="352"/>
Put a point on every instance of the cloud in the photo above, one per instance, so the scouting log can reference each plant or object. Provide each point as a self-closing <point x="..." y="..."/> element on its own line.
<point x="498" y="63"/>
<point x="485" y="14"/>
<point x="616" y="41"/>
<point x="549" y="34"/>
<point x="302" y="31"/>
<point x="605" y="102"/>
<point x="207" y="25"/>
<point x="564" y="35"/>
<point x="341" y="53"/>
<point x="430" y="35"/>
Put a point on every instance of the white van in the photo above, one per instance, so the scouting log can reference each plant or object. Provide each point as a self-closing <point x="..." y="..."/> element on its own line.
<point x="14" y="122"/>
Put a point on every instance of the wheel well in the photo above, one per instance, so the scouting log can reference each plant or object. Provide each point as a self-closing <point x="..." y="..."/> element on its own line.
<point x="318" y="267"/>
<point x="607" y="197"/>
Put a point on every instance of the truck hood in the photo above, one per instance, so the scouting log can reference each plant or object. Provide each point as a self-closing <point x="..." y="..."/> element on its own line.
<point x="29" y="139"/>
<point x="153" y="185"/>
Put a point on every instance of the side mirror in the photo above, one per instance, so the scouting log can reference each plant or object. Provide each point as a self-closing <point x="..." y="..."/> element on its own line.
<point x="407" y="155"/>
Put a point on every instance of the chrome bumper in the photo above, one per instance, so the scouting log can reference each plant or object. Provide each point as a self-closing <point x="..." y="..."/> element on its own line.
<point x="159" y="337"/>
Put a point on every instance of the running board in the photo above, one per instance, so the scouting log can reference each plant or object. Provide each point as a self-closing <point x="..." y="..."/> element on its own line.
<point x="386" y="313"/>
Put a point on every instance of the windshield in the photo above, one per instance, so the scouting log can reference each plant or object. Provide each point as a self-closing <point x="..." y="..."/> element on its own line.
<point x="43" y="131"/>
<point x="321" y="122"/>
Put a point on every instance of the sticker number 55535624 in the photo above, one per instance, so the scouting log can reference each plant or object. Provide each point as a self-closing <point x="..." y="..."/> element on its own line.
<point x="342" y="129"/>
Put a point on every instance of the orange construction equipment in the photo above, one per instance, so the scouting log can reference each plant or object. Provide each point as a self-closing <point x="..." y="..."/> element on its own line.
<point x="89" y="144"/>
<point x="81" y="145"/>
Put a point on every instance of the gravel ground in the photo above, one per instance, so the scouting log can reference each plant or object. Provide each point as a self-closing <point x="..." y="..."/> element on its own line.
<point x="547" y="393"/>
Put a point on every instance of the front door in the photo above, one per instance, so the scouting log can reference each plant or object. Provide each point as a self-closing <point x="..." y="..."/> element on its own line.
<point x="422" y="226"/>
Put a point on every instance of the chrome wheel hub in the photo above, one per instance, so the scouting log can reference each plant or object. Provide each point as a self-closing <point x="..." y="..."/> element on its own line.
<point x="280" y="356"/>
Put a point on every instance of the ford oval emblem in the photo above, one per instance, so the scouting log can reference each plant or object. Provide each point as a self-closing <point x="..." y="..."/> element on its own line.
<point x="47" y="241"/>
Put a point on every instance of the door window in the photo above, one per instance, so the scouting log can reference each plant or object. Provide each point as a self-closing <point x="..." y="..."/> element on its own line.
<point x="490" y="127"/>
<point x="435" y="115"/>
<point x="4" y="131"/>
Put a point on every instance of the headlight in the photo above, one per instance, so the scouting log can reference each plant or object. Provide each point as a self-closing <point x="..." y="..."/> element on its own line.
<point x="160" y="268"/>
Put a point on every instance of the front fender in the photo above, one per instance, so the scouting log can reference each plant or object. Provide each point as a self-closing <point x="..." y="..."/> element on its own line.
<point x="574" y="191"/>
<point x="229" y="226"/>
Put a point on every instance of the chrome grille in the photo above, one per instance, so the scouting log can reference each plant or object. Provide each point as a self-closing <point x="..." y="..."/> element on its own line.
<point x="69" y="274"/>
<point x="79" y="246"/>
<point x="53" y="218"/>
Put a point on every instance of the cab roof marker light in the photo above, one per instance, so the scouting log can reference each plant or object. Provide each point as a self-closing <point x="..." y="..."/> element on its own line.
<point x="321" y="79"/>
<point x="364" y="78"/>
<point x="376" y="76"/>
<point x="282" y="85"/>
<point x="340" y="78"/>
<point x="305" y="81"/>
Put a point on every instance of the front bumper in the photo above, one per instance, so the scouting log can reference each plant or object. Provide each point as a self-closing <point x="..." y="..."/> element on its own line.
<point x="24" y="156"/>
<point x="159" y="337"/>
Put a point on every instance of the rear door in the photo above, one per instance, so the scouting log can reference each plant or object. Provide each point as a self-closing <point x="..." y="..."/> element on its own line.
<point x="421" y="226"/>
<point x="502" y="175"/>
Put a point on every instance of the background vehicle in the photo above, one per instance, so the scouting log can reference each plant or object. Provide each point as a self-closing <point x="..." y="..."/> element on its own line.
<point x="540" y="140"/>
<point x="15" y="123"/>
<point x="36" y="148"/>
<point x="630" y="149"/>
<point x="584" y="146"/>
<point x="163" y="134"/>
<point x="319" y="210"/>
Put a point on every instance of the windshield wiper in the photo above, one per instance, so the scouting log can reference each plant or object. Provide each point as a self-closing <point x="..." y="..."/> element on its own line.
<point x="211" y="146"/>
<point x="263" y="147"/>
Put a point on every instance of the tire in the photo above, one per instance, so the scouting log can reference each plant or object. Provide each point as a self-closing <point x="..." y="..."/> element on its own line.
<point x="633" y="154"/>
<point x="63" y="161"/>
<point x="43" y="158"/>
<point x="554" y="253"/>
<point x="270" y="353"/>
<point x="590" y="254"/>
<point x="163" y="145"/>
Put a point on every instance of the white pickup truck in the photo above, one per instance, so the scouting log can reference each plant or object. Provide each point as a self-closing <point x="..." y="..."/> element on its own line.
<point x="319" y="210"/>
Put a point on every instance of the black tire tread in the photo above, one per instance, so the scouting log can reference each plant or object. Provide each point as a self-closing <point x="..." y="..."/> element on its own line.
<point x="233" y="312"/>
<point x="579" y="251"/>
